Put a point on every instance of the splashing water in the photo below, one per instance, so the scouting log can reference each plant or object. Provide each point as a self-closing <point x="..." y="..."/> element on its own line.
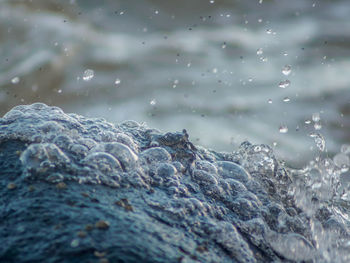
<point x="319" y="140"/>
<point x="322" y="193"/>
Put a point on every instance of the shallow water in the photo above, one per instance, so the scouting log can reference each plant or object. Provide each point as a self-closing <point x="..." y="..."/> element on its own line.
<point x="215" y="69"/>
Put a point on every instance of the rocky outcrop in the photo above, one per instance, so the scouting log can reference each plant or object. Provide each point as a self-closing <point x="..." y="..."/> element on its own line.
<point x="75" y="189"/>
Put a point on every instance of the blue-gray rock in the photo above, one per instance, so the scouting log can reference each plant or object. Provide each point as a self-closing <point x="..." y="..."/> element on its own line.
<point x="75" y="189"/>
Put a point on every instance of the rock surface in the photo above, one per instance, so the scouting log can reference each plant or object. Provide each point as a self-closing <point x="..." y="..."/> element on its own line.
<point x="75" y="189"/>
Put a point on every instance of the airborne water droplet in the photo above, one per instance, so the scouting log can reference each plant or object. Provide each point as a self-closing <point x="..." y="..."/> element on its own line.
<point x="153" y="102"/>
<point x="283" y="128"/>
<point x="316" y="117"/>
<point x="88" y="74"/>
<point x="317" y="126"/>
<point x="117" y="81"/>
<point x="341" y="160"/>
<point x="269" y="31"/>
<point x="15" y="80"/>
<point x="284" y="84"/>
<point x="286" y="99"/>
<point x="286" y="70"/>
<point x="345" y="148"/>
<point x="259" y="51"/>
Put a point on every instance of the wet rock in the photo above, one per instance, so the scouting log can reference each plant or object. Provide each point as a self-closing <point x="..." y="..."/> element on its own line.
<point x="101" y="224"/>
<point x="134" y="194"/>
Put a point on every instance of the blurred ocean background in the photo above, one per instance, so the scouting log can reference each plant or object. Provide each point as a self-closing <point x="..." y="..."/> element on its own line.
<point x="269" y="72"/>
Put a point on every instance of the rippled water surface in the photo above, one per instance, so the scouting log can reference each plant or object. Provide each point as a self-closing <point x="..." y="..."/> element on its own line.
<point x="270" y="72"/>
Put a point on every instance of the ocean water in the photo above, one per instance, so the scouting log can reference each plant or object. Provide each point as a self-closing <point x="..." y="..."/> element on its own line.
<point x="272" y="72"/>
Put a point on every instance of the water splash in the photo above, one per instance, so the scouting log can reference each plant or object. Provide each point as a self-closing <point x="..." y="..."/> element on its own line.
<point x="319" y="140"/>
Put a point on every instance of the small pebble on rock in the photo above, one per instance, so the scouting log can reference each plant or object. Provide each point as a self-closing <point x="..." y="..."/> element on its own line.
<point x="11" y="186"/>
<point x="102" y="224"/>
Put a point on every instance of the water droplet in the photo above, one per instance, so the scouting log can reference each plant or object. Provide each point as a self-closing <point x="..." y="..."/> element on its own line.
<point x="283" y="128"/>
<point x="212" y="1"/>
<point x="284" y="84"/>
<point x="250" y="79"/>
<point x="257" y="148"/>
<point x="317" y="126"/>
<point x="314" y="4"/>
<point x="15" y="80"/>
<point x="59" y="91"/>
<point x="156" y="12"/>
<point x="345" y="148"/>
<point x="260" y="1"/>
<point x="341" y="160"/>
<point x="215" y="70"/>
<point x="319" y="140"/>
<point x="269" y="101"/>
<point x="117" y="81"/>
<point x="259" y="51"/>
<point x="286" y="70"/>
<point x="286" y="99"/>
<point x="316" y="117"/>
<point x="88" y="74"/>
<point x="264" y="59"/>
<point x="285" y="54"/>
<point x="269" y="31"/>
<point x="153" y="102"/>
<point x="176" y="81"/>
<point x="223" y="45"/>
<point x="188" y="65"/>
<point x="307" y="121"/>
